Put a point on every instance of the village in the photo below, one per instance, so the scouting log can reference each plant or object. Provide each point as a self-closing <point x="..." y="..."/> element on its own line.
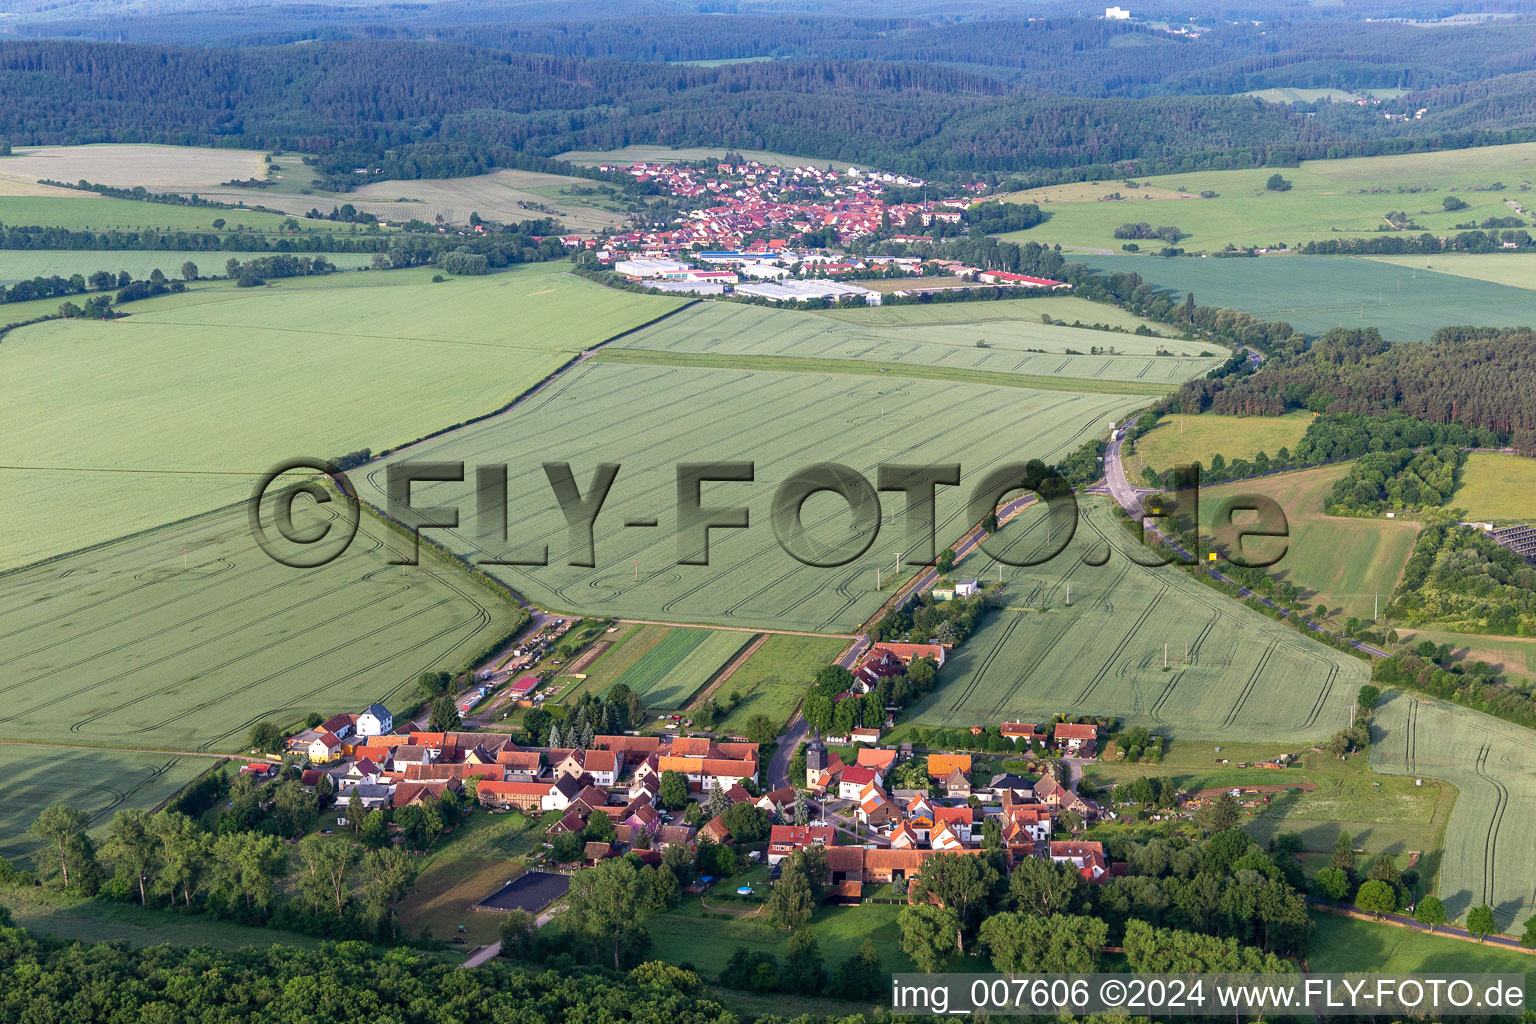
<point x="735" y="241"/>
<point x="880" y="812"/>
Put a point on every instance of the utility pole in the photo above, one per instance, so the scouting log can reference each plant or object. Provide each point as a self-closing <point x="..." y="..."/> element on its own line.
<point x="898" y="563"/>
<point x="877" y="577"/>
<point x="1165" y="654"/>
<point x="637" y="570"/>
<point x="1069" y="595"/>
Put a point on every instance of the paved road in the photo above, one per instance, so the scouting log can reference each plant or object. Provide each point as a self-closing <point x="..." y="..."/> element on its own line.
<point x="789" y="742"/>
<point x="1129" y="499"/>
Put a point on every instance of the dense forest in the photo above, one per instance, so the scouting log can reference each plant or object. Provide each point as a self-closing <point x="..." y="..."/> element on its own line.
<point x="400" y="109"/>
<point x="1478" y="377"/>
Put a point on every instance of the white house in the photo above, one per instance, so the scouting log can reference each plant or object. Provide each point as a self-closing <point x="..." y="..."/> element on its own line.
<point x="375" y="721"/>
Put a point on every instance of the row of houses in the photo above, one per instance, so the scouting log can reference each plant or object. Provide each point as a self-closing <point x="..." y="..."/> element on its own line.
<point x="392" y="769"/>
<point x="853" y="867"/>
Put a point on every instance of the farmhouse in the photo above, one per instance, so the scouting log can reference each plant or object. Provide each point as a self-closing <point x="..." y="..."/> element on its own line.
<point x="525" y="796"/>
<point x="375" y="721"/>
<point x="784" y="840"/>
<point x="940" y="766"/>
<point x="1080" y="740"/>
<point x="1088" y="858"/>
<point x="852" y="781"/>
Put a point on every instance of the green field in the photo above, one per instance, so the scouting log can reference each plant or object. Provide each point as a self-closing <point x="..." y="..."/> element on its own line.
<point x="669" y="674"/>
<point x="1345" y="945"/>
<point x="648" y="419"/>
<point x="1317" y="95"/>
<point x="1328" y="199"/>
<point x="504" y="195"/>
<point x="722" y="330"/>
<point x="1508" y="654"/>
<point x="773" y="680"/>
<point x="1244" y="677"/>
<point x="665" y="154"/>
<point x="1516" y="269"/>
<point x="17" y="265"/>
<point x="1005" y="314"/>
<point x="180" y="406"/>
<point x="1180" y="439"/>
<point x="686" y="936"/>
<point x="99" y="782"/>
<point x="1497" y="488"/>
<point x="1317" y="293"/>
<point x="1382" y="813"/>
<point x="183" y="637"/>
<point x="82" y="211"/>
<point x="1493" y="763"/>
<point x="1338" y="561"/>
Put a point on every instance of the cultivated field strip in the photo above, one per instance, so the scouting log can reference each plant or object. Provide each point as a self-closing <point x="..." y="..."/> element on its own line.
<point x="99" y="782"/>
<point x="1487" y="855"/>
<point x="122" y="646"/>
<point x="1316" y="293"/>
<point x="649" y="419"/>
<point x="1010" y="346"/>
<point x="672" y="672"/>
<point x="1103" y="655"/>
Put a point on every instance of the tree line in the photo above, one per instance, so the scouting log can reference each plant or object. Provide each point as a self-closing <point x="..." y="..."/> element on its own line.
<point x="1472" y="376"/>
<point x="240" y="863"/>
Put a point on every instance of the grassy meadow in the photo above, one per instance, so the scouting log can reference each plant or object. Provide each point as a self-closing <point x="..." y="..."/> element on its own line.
<point x="1327" y="199"/>
<point x="1513" y="657"/>
<point x="1497" y="488"/>
<point x="1244" y="678"/>
<point x="1043" y="352"/>
<point x="1515" y="269"/>
<point x="77" y="919"/>
<point x="179" y="407"/>
<point x="1346" y="945"/>
<point x="649" y="418"/>
<point x="1338" y="561"/>
<point x="772" y="681"/>
<point x="1493" y="765"/>
<point x="687" y="936"/>
<point x="127" y="165"/>
<point x="1382" y="813"/>
<point x="1179" y="439"/>
<point x="99" y="782"/>
<point x="183" y="637"/>
<point x="1316" y="293"/>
